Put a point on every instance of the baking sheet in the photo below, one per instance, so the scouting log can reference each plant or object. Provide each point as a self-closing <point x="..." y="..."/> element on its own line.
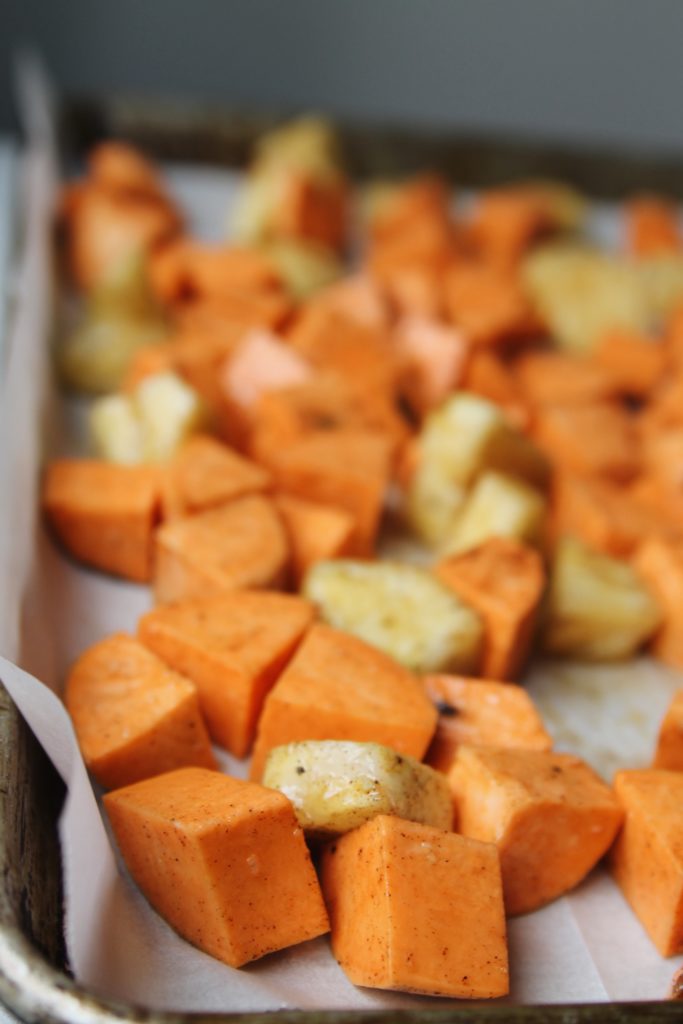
<point x="585" y="947"/>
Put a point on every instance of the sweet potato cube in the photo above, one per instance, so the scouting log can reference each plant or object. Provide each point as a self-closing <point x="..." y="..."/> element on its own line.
<point x="660" y="564"/>
<point x="558" y="378"/>
<point x="597" y="439"/>
<point x="346" y="468"/>
<point x="502" y="579"/>
<point x="550" y="815"/>
<point x="669" y="753"/>
<point x="482" y="713"/>
<point x="104" y="514"/>
<point x="262" y="363"/>
<point x="432" y="358"/>
<point x="647" y="858"/>
<point x="233" y="648"/>
<point x="222" y="860"/>
<point x="490" y="307"/>
<point x="205" y="473"/>
<point x="337" y="687"/>
<point x="417" y="909"/>
<point x="634" y="362"/>
<point x="603" y="514"/>
<point x="241" y="544"/>
<point x="489" y="377"/>
<point x="316" y="532"/>
<point x="652" y="226"/>
<point x="133" y="716"/>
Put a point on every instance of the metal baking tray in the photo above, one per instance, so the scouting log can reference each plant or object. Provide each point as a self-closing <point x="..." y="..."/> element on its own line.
<point x="35" y="982"/>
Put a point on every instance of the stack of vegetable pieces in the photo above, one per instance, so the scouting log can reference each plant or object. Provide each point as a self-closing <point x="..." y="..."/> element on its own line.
<point x="257" y="448"/>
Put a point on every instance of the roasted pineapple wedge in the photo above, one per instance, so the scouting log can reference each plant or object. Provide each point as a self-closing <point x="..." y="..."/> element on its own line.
<point x="598" y="608"/>
<point x="497" y="506"/>
<point x="466" y="436"/>
<point x="400" y="609"/>
<point x="337" y="785"/>
<point x="150" y="424"/>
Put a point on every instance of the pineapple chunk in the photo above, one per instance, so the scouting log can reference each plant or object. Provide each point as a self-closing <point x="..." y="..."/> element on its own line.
<point x="150" y="424"/>
<point x="337" y="785"/>
<point x="497" y="506"/>
<point x="598" y="608"/>
<point x="466" y="436"/>
<point x="400" y="609"/>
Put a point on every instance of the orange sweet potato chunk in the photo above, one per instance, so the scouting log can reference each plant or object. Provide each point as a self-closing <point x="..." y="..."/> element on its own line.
<point x="348" y="469"/>
<point x="104" y="514"/>
<point x="647" y="858"/>
<point x="557" y="378"/>
<point x="241" y="544"/>
<point x="232" y="648"/>
<point x="133" y="716"/>
<point x="634" y="362"/>
<point x="223" y="861"/>
<point x="604" y="515"/>
<point x="316" y="532"/>
<point x="205" y="473"/>
<point x="669" y="753"/>
<point x="550" y="815"/>
<point x="487" y="375"/>
<point x="489" y="306"/>
<point x="652" y="226"/>
<point x="417" y="909"/>
<point x="596" y="439"/>
<point x="503" y="580"/>
<point x="336" y="687"/>
<point x="432" y="358"/>
<point x="482" y="713"/>
<point x="660" y="564"/>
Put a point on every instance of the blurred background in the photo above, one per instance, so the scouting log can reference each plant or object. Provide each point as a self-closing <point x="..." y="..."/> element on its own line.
<point x="607" y="72"/>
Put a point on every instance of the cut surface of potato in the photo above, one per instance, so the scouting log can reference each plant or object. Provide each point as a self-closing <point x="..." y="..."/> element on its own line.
<point x="497" y="506"/>
<point x="400" y="609"/>
<point x="581" y="293"/>
<point x="151" y="424"/>
<point x="598" y="608"/>
<point x="464" y="437"/>
<point x="337" y="785"/>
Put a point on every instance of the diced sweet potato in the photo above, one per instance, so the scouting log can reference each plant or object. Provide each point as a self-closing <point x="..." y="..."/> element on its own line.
<point x="490" y="307"/>
<point x="634" y="362"/>
<point x="205" y="473"/>
<point x="348" y="469"/>
<point x="316" y="532"/>
<point x="116" y="166"/>
<point x="233" y="648"/>
<point x="482" y="713"/>
<point x="432" y="358"/>
<point x="189" y="269"/>
<point x="550" y="815"/>
<point x="505" y="222"/>
<point x="596" y="439"/>
<point x="241" y="544"/>
<point x="333" y="342"/>
<point x="652" y="226"/>
<point x="660" y="564"/>
<point x="503" y="579"/>
<point x="489" y="377"/>
<point x="357" y="298"/>
<point x="416" y="909"/>
<point x="133" y="716"/>
<point x="339" y="688"/>
<point x="603" y="515"/>
<point x="669" y="753"/>
<point x="560" y="378"/>
<point x="312" y="209"/>
<point x="647" y="858"/>
<point x="104" y="514"/>
<point x="223" y="861"/>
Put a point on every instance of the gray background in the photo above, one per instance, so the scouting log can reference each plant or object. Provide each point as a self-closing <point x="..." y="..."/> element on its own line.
<point x="601" y="71"/>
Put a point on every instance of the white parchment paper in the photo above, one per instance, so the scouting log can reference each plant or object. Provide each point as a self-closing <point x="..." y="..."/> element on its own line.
<point x="587" y="947"/>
